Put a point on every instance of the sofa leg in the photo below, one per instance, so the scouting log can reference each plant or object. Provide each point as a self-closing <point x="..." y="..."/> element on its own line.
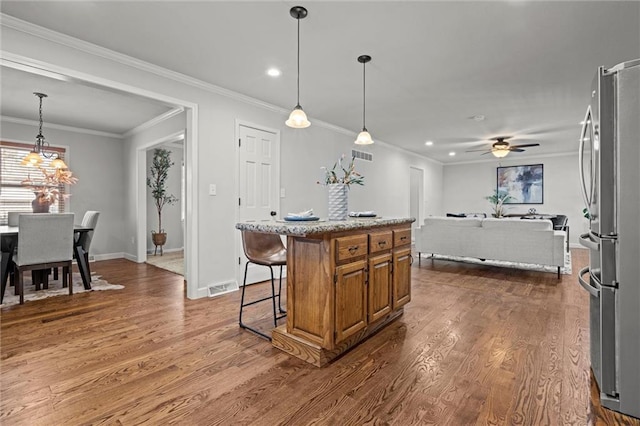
<point x="558" y="272"/>
<point x="419" y="258"/>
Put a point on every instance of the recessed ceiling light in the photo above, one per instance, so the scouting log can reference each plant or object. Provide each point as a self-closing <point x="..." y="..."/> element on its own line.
<point x="451" y="154"/>
<point x="273" y="72"/>
<point x="428" y="143"/>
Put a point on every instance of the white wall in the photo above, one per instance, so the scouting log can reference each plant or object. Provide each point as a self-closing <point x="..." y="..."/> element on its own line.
<point x="97" y="162"/>
<point x="211" y="153"/>
<point x="466" y="185"/>
<point x="171" y="221"/>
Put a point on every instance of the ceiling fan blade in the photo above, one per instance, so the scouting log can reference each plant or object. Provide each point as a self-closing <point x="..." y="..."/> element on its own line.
<point x="526" y="145"/>
<point x="485" y="153"/>
<point x="512" y="149"/>
<point x="478" y="150"/>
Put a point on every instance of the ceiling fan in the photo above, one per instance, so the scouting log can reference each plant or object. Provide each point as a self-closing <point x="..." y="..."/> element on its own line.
<point x="501" y="147"/>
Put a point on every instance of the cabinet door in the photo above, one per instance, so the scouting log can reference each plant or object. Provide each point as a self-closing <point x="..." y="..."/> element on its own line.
<point x="401" y="277"/>
<point x="380" y="286"/>
<point x="351" y="299"/>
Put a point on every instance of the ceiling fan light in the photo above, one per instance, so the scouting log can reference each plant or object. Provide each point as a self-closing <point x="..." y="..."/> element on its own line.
<point x="32" y="159"/>
<point x="298" y="119"/>
<point x="500" y="153"/>
<point x="364" y="138"/>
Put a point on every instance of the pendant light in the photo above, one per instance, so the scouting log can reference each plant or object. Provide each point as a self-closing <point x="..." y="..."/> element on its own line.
<point x="35" y="157"/>
<point x="297" y="118"/>
<point x="364" y="138"/>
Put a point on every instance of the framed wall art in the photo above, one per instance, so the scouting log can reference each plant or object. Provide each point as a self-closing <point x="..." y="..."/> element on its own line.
<point x="525" y="184"/>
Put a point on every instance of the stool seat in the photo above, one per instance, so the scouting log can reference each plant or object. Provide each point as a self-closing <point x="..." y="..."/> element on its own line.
<point x="266" y="250"/>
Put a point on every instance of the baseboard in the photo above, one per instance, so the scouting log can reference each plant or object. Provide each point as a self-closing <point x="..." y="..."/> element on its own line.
<point x="166" y="250"/>
<point x="107" y="256"/>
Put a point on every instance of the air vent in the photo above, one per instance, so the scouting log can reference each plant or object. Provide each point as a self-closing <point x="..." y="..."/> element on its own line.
<point x="361" y="155"/>
<point x="218" y="289"/>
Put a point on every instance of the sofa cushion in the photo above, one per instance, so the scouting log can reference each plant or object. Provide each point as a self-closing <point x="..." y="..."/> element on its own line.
<point x="467" y="222"/>
<point x="517" y="224"/>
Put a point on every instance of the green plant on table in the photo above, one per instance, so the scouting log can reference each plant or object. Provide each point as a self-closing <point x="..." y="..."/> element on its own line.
<point x="497" y="199"/>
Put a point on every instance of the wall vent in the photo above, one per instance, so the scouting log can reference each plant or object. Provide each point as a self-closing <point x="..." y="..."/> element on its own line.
<point x="361" y="155"/>
<point x="222" y="288"/>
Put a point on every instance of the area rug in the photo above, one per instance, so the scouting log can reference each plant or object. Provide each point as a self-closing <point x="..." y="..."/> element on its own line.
<point x="55" y="289"/>
<point x="566" y="270"/>
<point x="172" y="261"/>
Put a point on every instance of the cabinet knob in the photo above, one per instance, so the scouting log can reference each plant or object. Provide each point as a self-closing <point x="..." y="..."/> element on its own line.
<point x="353" y="249"/>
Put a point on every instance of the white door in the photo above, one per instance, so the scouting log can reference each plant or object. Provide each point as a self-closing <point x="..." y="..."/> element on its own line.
<point x="259" y="180"/>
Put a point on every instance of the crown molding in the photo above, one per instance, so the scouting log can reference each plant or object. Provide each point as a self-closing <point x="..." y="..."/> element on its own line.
<point x="93" y="49"/>
<point x="529" y="158"/>
<point x="153" y="122"/>
<point x="60" y="127"/>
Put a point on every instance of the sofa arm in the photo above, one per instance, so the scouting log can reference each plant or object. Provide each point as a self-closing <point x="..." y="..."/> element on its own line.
<point x="559" y="245"/>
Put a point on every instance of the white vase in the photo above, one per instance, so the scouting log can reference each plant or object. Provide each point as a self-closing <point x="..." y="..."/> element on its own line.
<point x="338" y="201"/>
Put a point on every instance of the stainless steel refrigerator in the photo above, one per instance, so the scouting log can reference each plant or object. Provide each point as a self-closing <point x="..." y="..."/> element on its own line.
<point x="609" y="169"/>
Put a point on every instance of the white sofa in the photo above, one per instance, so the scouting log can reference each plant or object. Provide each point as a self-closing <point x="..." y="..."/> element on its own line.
<point x="513" y="240"/>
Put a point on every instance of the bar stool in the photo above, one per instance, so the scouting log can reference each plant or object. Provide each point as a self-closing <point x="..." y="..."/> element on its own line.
<point x="267" y="250"/>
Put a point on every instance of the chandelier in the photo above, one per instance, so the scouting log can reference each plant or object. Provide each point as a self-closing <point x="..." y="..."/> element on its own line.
<point x="39" y="151"/>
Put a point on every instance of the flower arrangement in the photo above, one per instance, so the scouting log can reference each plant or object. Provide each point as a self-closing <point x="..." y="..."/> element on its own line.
<point x="47" y="187"/>
<point x="498" y="199"/>
<point x="349" y="174"/>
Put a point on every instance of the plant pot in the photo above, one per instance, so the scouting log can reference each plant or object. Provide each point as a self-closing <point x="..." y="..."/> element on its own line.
<point x="38" y="207"/>
<point x="159" y="239"/>
<point x="338" y="201"/>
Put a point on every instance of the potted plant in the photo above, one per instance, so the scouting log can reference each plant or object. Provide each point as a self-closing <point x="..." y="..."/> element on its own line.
<point x="47" y="187"/>
<point x="497" y="200"/>
<point x="158" y="183"/>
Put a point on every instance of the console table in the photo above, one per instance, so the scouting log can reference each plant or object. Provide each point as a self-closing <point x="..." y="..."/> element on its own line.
<point x="345" y="281"/>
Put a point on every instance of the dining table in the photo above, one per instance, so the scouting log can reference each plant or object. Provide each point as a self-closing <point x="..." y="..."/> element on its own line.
<point x="9" y="236"/>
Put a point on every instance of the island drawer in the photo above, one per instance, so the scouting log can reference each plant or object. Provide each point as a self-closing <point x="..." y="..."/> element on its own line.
<point x="351" y="247"/>
<point x="380" y="241"/>
<point x="401" y="237"/>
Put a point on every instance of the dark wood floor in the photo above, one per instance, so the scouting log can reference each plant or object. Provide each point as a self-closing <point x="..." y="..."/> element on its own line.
<point x="477" y="345"/>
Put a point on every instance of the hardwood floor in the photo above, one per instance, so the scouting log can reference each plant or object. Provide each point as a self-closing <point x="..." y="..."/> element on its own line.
<point x="476" y="345"/>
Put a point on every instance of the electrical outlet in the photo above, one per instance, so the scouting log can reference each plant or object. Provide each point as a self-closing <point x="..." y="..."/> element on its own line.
<point x="213" y="190"/>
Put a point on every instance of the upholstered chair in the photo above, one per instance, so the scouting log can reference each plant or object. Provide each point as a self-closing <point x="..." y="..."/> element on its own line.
<point x="44" y="241"/>
<point x="267" y="250"/>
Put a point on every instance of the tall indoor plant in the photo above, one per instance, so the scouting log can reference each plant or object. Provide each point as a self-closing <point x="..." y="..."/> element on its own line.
<point x="158" y="183"/>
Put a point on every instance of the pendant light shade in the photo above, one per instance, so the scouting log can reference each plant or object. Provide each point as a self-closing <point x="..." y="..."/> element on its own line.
<point x="500" y="153"/>
<point x="298" y="118"/>
<point x="364" y="138"/>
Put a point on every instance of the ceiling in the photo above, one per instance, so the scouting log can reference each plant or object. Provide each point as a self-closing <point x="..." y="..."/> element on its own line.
<point x="526" y="66"/>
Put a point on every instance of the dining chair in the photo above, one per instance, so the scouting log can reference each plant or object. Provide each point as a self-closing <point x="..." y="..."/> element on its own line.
<point x="267" y="250"/>
<point x="12" y="218"/>
<point x="44" y="241"/>
<point x="89" y="220"/>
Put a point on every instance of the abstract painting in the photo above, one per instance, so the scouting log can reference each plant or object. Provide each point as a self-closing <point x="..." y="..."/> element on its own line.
<point x="523" y="183"/>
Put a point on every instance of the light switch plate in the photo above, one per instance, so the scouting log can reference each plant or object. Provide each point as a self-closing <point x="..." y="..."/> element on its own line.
<point x="212" y="189"/>
<point x="282" y="193"/>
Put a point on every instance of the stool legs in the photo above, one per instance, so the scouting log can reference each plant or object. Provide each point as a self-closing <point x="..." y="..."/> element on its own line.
<point x="273" y="302"/>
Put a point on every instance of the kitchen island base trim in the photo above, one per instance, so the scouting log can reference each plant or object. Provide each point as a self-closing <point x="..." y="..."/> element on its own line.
<point x="317" y="355"/>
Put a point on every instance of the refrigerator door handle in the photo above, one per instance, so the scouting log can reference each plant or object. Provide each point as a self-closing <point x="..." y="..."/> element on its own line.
<point x="586" y="241"/>
<point x="595" y="292"/>
<point x="583" y="135"/>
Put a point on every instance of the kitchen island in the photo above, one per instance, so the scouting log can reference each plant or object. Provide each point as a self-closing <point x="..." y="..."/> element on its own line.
<point x="345" y="281"/>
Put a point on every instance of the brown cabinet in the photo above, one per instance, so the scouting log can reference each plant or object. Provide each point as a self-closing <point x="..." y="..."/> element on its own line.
<point x="343" y="286"/>
<point x="380" y="286"/>
<point x="351" y="299"/>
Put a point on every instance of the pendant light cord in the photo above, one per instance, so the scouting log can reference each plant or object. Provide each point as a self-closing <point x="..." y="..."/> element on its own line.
<point x="364" y="94"/>
<point x="298" y="103"/>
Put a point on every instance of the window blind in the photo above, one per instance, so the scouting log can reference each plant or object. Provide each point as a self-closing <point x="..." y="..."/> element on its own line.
<point x="14" y="196"/>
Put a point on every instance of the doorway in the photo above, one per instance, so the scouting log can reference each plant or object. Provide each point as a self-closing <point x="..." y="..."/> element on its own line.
<point x="416" y="196"/>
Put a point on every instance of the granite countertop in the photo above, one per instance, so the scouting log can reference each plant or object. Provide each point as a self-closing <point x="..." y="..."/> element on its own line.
<point x="319" y="227"/>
